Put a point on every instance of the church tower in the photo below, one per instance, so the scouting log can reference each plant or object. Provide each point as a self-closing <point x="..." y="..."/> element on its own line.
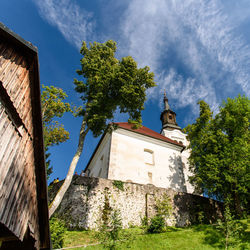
<point x="168" y="117"/>
<point x="170" y="127"/>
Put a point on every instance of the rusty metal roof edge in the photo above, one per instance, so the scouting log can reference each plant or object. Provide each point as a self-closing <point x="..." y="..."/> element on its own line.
<point x="18" y="39"/>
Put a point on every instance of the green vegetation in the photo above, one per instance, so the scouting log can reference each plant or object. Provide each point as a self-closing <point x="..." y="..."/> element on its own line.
<point x="232" y="230"/>
<point x="199" y="237"/>
<point x="220" y="152"/>
<point x="157" y="224"/>
<point x="53" y="105"/>
<point x="163" y="209"/>
<point x="119" y="184"/>
<point x="107" y="84"/>
<point x="109" y="232"/>
<point x="57" y="232"/>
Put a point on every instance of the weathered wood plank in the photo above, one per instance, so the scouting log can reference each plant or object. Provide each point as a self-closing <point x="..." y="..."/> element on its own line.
<point x="3" y="170"/>
<point x="5" y="139"/>
<point x="26" y="199"/>
<point x="7" y="68"/>
<point x="9" y="142"/>
<point x="5" y="62"/>
<point x="21" y="195"/>
<point x="24" y="83"/>
<point x="15" y="70"/>
<point x="6" y="163"/>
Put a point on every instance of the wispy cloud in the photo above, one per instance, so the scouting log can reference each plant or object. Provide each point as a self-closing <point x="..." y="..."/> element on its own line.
<point x="75" y="23"/>
<point x="191" y="45"/>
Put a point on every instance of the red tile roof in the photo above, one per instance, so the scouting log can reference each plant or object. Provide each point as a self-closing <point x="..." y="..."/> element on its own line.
<point x="148" y="132"/>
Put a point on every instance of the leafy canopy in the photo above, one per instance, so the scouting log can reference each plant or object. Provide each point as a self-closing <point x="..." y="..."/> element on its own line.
<point x="220" y="151"/>
<point x="109" y="84"/>
<point x="53" y="105"/>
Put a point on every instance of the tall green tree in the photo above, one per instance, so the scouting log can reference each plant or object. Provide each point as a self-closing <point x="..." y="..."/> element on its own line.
<point x="220" y="147"/>
<point x="53" y="105"/>
<point x="107" y="84"/>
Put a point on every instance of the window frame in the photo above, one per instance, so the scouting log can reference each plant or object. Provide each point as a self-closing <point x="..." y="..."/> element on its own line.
<point x="146" y="150"/>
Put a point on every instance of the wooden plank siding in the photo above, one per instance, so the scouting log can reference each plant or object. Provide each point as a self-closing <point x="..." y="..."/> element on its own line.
<point x="23" y="188"/>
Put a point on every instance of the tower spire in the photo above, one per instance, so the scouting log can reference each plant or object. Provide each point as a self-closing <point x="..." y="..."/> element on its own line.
<point x="168" y="116"/>
<point x="165" y="101"/>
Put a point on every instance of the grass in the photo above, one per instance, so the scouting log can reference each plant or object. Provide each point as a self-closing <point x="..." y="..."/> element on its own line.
<point x="76" y="238"/>
<point x="200" y="237"/>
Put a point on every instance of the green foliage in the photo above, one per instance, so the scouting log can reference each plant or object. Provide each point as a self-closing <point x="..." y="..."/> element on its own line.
<point x="163" y="209"/>
<point x="163" y="206"/>
<point x="232" y="230"/>
<point x="109" y="231"/>
<point x="109" y="84"/>
<point x="157" y="224"/>
<point x="144" y="221"/>
<point x="53" y="105"/>
<point x="118" y="184"/>
<point x="200" y="217"/>
<point x="57" y="231"/>
<point x="106" y="211"/>
<point x="220" y="152"/>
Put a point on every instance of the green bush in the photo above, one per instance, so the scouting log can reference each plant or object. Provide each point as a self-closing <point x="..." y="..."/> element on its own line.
<point x="57" y="230"/>
<point x="119" y="184"/>
<point x="109" y="231"/>
<point x="144" y="221"/>
<point x="157" y="224"/>
<point x="232" y="230"/>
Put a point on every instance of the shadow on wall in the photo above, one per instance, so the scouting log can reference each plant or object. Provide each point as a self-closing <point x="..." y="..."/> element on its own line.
<point x="177" y="178"/>
<point x="197" y="209"/>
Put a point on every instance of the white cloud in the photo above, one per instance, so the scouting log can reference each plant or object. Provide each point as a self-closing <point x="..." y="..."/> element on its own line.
<point x="73" y="22"/>
<point x="192" y="46"/>
<point x="197" y="43"/>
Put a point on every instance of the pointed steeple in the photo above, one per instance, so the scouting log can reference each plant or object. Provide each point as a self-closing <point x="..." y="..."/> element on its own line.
<point x="165" y="100"/>
<point x="168" y="117"/>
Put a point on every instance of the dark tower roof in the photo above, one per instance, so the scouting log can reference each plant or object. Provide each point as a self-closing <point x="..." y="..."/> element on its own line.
<point x="168" y="116"/>
<point x="165" y="100"/>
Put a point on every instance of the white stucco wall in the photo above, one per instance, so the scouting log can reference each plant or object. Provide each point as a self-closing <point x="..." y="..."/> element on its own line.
<point x="98" y="166"/>
<point x="127" y="161"/>
<point x="179" y="136"/>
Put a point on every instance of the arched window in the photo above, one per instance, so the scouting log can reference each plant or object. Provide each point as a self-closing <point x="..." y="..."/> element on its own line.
<point x="149" y="156"/>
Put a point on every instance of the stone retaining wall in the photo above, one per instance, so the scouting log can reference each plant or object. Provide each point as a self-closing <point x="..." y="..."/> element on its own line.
<point x="83" y="203"/>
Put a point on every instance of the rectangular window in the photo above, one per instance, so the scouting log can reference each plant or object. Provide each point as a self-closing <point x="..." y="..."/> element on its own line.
<point x="150" y="177"/>
<point x="149" y="156"/>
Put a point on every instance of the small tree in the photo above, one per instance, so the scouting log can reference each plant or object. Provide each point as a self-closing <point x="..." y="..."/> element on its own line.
<point x="231" y="229"/>
<point x="57" y="230"/>
<point x="108" y="84"/>
<point x="53" y="105"/>
<point x="163" y="209"/>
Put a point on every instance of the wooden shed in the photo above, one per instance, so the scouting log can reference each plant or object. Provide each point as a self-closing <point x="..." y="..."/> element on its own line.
<point x="24" y="222"/>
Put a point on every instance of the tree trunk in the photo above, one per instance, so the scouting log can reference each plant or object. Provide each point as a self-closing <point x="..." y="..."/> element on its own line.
<point x="57" y="200"/>
<point x="237" y="205"/>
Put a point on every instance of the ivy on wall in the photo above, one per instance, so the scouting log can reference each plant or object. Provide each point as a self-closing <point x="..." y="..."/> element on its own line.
<point x="118" y="184"/>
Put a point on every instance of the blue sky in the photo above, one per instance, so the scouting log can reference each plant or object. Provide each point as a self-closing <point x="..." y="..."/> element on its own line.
<point x="198" y="49"/>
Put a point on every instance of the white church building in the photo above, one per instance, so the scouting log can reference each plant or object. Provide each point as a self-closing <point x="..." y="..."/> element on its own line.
<point x="143" y="155"/>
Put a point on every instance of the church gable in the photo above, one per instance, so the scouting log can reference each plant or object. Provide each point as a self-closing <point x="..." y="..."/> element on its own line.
<point x="143" y="155"/>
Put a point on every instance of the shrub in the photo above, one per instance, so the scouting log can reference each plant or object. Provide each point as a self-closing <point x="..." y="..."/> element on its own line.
<point x="163" y="206"/>
<point x="144" y="221"/>
<point x="119" y="185"/>
<point x="109" y="232"/>
<point x="232" y="230"/>
<point x="57" y="230"/>
<point x="157" y="224"/>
